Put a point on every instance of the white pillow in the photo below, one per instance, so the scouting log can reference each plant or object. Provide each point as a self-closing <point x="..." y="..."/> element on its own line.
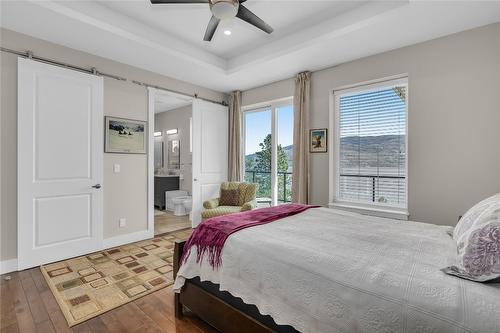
<point x="478" y="242"/>
<point x="472" y="215"/>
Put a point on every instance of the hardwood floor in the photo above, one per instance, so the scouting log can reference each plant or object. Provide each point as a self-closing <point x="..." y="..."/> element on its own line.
<point x="27" y="305"/>
<point x="167" y="222"/>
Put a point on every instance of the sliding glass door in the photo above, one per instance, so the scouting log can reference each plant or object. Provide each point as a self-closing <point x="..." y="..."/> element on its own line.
<point x="258" y="130"/>
<point x="268" y="155"/>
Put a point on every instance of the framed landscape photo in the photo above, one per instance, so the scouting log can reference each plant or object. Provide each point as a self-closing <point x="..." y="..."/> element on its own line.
<point x="318" y="140"/>
<point x="126" y="136"/>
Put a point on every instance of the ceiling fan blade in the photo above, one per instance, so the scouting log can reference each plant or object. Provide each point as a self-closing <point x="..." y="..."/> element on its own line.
<point x="246" y="15"/>
<point x="155" y="2"/>
<point x="212" y="26"/>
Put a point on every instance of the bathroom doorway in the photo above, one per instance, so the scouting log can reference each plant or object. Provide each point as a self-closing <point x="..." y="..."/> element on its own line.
<point x="172" y="185"/>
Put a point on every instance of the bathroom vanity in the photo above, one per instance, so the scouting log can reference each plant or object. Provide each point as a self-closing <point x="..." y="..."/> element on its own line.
<point x="164" y="183"/>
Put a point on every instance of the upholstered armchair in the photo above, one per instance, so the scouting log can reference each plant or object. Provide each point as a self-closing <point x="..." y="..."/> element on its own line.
<point x="239" y="197"/>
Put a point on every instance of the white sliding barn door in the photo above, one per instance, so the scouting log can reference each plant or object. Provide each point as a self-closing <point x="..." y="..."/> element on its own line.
<point x="60" y="153"/>
<point x="210" y="149"/>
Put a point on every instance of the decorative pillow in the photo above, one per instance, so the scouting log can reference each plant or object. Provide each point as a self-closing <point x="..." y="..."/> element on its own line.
<point x="471" y="216"/>
<point x="478" y="243"/>
<point x="229" y="197"/>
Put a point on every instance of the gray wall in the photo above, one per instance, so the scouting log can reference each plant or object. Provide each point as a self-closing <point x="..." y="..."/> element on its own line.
<point x="125" y="193"/>
<point x="453" y="122"/>
<point x="178" y="118"/>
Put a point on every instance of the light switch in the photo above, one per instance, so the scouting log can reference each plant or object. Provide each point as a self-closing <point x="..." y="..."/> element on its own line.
<point x="123" y="222"/>
<point x="116" y="168"/>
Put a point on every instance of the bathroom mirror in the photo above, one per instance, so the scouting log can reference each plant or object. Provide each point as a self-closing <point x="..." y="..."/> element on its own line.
<point x="173" y="155"/>
<point x="158" y="150"/>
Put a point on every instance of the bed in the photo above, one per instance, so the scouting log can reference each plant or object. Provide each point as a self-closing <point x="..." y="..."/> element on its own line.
<point x="327" y="270"/>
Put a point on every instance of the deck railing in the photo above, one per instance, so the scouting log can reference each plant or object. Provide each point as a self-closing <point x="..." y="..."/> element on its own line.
<point x="378" y="188"/>
<point x="263" y="178"/>
<point x="381" y="188"/>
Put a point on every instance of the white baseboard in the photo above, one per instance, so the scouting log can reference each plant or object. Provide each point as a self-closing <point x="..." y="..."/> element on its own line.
<point x="127" y="238"/>
<point x="7" y="266"/>
<point x="10" y="265"/>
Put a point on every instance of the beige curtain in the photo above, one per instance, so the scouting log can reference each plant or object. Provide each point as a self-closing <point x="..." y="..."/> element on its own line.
<point x="234" y="170"/>
<point x="300" y="176"/>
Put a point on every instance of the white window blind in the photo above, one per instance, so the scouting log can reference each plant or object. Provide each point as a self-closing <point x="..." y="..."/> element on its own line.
<point x="372" y="144"/>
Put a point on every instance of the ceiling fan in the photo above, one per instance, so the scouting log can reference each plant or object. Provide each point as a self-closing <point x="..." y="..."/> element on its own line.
<point x="221" y="10"/>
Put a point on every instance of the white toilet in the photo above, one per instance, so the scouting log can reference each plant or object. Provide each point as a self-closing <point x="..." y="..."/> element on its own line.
<point x="182" y="205"/>
<point x="188" y="205"/>
<point x="169" y="195"/>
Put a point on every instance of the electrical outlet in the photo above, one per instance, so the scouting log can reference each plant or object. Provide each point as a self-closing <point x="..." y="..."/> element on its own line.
<point x="123" y="222"/>
<point x="116" y="168"/>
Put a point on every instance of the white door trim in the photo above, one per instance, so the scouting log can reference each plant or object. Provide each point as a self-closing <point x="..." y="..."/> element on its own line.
<point x="151" y="157"/>
<point x="151" y="162"/>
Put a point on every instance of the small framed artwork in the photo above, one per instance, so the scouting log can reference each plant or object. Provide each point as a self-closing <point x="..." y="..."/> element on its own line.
<point x="126" y="136"/>
<point x="318" y="140"/>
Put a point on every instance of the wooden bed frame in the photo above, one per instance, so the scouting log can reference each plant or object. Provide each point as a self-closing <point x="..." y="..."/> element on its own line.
<point x="210" y="308"/>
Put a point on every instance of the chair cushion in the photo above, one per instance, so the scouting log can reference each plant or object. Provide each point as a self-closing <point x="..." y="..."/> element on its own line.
<point x="229" y="197"/>
<point x="248" y="191"/>
<point x="221" y="210"/>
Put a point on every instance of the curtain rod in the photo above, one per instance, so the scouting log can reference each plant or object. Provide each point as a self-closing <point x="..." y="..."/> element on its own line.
<point x="94" y="71"/>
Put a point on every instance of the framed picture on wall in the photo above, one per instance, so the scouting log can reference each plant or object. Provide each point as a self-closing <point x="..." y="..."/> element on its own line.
<point x="318" y="140"/>
<point x="125" y="136"/>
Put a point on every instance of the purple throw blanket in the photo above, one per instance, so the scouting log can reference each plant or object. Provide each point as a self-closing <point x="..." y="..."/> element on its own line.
<point x="211" y="234"/>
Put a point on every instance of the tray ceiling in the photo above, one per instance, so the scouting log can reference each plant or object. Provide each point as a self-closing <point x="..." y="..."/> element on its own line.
<point x="311" y="35"/>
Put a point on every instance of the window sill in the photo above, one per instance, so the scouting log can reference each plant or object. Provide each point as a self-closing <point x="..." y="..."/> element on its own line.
<point x="398" y="214"/>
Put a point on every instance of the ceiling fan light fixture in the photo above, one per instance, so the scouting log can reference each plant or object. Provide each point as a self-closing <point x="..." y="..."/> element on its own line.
<point x="224" y="9"/>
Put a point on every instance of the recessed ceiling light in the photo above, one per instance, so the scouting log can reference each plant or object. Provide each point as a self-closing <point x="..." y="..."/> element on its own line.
<point x="227" y="32"/>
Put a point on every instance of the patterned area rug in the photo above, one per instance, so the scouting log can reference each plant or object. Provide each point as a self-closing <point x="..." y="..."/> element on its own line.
<point x="88" y="286"/>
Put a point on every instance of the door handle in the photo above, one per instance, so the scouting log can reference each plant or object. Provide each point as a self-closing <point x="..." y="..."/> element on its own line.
<point x="195" y="179"/>
<point x="97" y="186"/>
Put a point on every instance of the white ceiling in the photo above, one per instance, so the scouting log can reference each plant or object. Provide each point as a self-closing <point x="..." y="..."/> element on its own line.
<point x="188" y="22"/>
<point x="309" y="35"/>
<point x="166" y="102"/>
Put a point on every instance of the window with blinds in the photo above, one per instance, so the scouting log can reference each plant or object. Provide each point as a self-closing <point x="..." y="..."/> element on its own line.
<point x="371" y="143"/>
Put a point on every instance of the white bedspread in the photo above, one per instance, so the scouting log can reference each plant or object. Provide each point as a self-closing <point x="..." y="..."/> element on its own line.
<point x="331" y="271"/>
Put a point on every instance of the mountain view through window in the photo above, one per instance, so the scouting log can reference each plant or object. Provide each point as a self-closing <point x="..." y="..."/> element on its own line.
<point x="258" y="152"/>
<point x="372" y="147"/>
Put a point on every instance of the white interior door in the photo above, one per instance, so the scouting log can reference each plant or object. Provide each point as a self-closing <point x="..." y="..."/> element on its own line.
<point x="60" y="152"/>
<point x="210" y="141"/>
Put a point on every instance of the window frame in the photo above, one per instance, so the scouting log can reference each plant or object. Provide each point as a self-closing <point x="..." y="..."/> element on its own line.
<point x="273" y="106"/>
<point x="373" y="208"/>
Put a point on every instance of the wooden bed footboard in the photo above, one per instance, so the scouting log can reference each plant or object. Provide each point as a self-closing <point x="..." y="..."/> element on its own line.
<point x="210" y="308"/>
<point x="178" y="249"/>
